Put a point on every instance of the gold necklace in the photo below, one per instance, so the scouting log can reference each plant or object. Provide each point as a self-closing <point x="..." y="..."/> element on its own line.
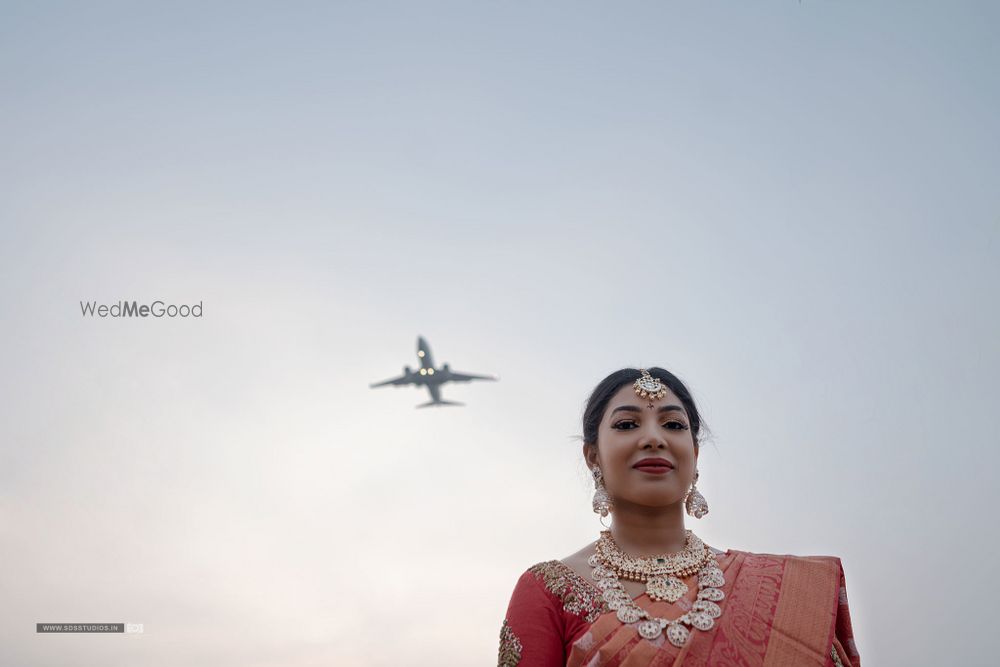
<point x="683" y="563"/>
<point x="702" y="614"/>
<point x="662" y="574"/>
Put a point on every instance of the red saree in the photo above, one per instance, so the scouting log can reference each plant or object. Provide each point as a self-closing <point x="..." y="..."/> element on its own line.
<point x="778" y="611"/>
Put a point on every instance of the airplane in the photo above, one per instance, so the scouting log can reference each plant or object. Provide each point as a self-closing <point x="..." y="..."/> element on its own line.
<point x="430" y="377"/>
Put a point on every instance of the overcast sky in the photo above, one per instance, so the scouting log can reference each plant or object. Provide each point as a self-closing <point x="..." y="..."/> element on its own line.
<point x="792" y="205"/>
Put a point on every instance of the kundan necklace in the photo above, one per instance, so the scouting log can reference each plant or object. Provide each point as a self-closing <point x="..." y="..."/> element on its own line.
<point x="660" y="573"/>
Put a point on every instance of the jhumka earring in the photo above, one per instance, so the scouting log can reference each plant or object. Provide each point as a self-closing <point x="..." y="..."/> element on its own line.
<point x="602" y="501"/>
<point x="695" y="503"/>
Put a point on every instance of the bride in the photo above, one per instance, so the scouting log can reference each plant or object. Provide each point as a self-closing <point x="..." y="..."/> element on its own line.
<point x="650" y="592"/>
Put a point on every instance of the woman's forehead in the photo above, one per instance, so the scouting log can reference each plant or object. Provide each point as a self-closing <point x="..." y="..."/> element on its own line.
<point x="627" y="396"/>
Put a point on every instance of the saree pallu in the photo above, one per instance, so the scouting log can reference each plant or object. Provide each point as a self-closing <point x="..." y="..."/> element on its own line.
<point x="778" y="611"/>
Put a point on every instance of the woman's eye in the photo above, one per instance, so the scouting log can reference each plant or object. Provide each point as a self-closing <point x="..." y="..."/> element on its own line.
<point x="673" y="425"/>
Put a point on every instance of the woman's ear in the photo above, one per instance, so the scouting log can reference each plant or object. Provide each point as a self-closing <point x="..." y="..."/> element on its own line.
<point x="590" y="454"/>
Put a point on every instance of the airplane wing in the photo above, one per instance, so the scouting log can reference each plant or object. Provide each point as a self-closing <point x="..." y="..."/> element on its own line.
<point x="465" y="377"/>
<point x="401" y="380"/>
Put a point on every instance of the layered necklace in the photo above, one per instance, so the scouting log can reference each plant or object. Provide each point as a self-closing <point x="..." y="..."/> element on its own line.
<point x="663" y="578"/>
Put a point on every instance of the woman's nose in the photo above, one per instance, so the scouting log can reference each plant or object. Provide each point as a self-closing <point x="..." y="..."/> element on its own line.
<point x="653" y="440"/>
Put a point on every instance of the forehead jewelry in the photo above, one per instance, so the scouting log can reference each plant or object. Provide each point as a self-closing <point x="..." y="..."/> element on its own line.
<point x="649" y="387"/>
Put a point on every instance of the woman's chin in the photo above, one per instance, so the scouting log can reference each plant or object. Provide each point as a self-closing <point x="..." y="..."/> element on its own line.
<point x="657" y="501"/>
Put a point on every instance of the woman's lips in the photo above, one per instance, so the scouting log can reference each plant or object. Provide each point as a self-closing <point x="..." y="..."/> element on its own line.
<point x="655" y="470"/>
<point x="654" y="466"/>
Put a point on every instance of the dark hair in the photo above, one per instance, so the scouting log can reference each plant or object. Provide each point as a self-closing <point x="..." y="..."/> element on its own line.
<point x="609" y="386"/>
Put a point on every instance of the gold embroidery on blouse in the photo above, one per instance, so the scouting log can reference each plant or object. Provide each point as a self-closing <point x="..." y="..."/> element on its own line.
<point x="578" y="596"/>
<point x="510" y="647"/>
<point x="835" y="656"/>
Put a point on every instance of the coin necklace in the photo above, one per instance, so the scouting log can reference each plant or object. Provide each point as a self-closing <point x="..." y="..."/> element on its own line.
<point x="702" y="614"/>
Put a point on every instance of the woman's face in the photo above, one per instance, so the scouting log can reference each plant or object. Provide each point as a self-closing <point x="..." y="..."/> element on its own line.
<point x="631" y="433"/>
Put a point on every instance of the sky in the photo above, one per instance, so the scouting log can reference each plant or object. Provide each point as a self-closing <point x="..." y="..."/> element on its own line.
<point x="791" y="205"/>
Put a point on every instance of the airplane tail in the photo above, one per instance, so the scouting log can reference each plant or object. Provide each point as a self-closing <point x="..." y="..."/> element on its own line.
<point x="430" y="403"/>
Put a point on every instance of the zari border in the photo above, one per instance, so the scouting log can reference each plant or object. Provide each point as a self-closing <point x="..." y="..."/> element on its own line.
<point x="803" y="622"/>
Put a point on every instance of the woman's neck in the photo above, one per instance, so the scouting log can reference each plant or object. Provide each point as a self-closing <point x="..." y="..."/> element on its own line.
<point x="648" y="531"/>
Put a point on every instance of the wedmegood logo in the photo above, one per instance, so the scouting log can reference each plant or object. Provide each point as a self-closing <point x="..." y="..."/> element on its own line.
<point x="134" y="309"/>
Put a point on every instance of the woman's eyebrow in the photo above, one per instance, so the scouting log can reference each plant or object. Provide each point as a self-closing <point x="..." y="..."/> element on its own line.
<point x="634" y="408"/>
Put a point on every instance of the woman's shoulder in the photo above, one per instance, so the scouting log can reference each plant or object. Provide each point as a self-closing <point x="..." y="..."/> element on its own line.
<point x="565" y="588"/>
<point x="816" y="580"/>
<point x="558" y="577"/>
<point x="802" y="572"/>
<point x="787" y="557"/>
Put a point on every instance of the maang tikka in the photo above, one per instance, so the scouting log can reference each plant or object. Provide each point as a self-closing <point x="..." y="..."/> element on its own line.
<point x="649" y="387"/>
<point x="602" y="501"/>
